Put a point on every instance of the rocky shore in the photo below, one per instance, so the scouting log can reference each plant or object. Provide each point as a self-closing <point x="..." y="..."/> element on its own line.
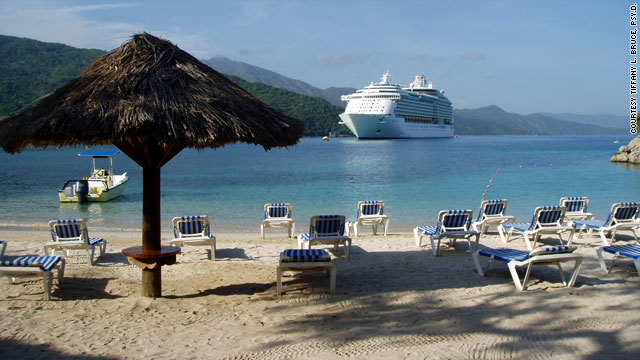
<point x="628" y="153"/>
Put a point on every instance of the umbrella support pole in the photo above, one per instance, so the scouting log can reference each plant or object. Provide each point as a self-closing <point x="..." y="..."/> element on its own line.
<point x="152" y="282"/>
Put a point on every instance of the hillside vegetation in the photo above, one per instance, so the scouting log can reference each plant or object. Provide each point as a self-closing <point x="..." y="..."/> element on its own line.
<point x="31" y="69"/>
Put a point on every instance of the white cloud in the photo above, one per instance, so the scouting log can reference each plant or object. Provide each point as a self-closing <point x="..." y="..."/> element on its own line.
<point x="43" y="21"/>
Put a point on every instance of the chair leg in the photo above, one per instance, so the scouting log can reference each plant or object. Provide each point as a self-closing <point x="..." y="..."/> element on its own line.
<point x="332" y="275"/>
<point x="348" y="245"/>
<point x="374" y="228"/>
<point x="435" y="248"/>
<point x="279" y="280"/>
<point x="262" y="231"/>
<point x="576" y="270"/>
<point x="47" y="279"/>
<point x="564" y="282"/>
<point x="636" y="262"/>
<point x="91" y="252"/>
<point x="602" y="262"/>
<point x="526" y="238"/>
<point x="61" y="266"/>
<point x="476" y="260"/>
<point x="603" y="236"/>
<point x="355" y="229"/>
<point x="418" y="237"/>
<point x="501" y="232"/>
<point x="386" y="227"/>
<point x="516" y="277"/>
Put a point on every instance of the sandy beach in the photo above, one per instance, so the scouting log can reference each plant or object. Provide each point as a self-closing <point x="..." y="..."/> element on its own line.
<point x="393" y="300"/>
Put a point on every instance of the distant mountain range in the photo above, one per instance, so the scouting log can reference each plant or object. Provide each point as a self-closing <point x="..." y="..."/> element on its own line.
<point x="30" y="69"/>
<point x="257" y="74"/>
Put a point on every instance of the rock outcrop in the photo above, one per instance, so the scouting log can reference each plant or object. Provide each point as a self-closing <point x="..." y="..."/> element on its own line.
<point x="628" y="153"/>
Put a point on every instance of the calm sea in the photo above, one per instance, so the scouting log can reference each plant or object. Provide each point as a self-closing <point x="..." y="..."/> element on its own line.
<point x="415" y="178"/>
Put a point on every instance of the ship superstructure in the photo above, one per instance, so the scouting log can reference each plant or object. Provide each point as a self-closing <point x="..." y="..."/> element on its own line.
<point x="388" y="111"/>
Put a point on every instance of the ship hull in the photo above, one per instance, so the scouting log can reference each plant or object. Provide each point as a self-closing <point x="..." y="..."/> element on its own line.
<point x="386" y="126"/>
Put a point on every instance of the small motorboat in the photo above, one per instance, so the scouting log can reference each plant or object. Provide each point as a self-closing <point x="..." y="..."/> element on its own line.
<point x="102" y="185"/>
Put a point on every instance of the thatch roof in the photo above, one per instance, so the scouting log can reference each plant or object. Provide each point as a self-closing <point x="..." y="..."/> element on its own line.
<point x="149" y="88"/>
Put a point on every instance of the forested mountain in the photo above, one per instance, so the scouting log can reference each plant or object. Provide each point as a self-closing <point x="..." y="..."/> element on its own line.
<point x="30" y="69"/>
<point x="259" y="75"/>
<point x="492" y="120"/>
<point x="319" y="116"/>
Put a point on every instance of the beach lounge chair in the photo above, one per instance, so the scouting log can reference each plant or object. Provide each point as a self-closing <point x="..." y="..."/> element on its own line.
<point x="194" y="231"/>
<point x="491" y="214"/>
<point x="72" y="234"/>
<point x="623" y="216"/>
<point x="306" y="260"/>
<point x="452" y="224"/>
<point x="369" y="213"/>
<point x="542" y="256"/>
<point x="32" y="266"/>
<point x="576" y="208"/>
<point x="629" y="251"/>
<point x="326" y="230"/>
<point x="277" y="215"/>
<point x="547" y="220"/>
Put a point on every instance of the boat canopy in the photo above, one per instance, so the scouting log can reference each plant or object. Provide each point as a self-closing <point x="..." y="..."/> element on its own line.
<point x="99" y="153"/>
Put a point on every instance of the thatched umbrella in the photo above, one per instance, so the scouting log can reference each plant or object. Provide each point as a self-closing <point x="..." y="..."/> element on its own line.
<point x="151" y="100"/>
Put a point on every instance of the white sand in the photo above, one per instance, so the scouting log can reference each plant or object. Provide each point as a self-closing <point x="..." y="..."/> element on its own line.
<point x="393" y="300"/>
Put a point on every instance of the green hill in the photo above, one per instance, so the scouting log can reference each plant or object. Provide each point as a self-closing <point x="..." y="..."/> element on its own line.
<point x="31" y="69"/>
<point x="319" y="116"/>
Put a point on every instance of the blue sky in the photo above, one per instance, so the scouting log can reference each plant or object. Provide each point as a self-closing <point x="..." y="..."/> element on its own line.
<point x="524" y="56"/>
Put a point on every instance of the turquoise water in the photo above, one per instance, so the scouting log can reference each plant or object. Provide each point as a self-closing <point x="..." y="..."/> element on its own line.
<point x="415" y="178"/>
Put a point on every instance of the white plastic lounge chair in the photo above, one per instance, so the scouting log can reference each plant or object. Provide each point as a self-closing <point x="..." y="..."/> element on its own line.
<point x="33" y="266"/>
<point x="326" y="229"/>
<point x="306" y="260"/>
<point x="369" y="213"/>
<point x="72" y="234"/>
<point x="491" y="214"/>
<point x="576" y="208"/>
<point x="194" y="231"/>
<point x="546" y="220"/>
<point x="623" y="216"/>
<point x="452" y="224"/>
<point x="630" y="251"/>
<point x="277" y="215"/>
<point x="542" y="256"/>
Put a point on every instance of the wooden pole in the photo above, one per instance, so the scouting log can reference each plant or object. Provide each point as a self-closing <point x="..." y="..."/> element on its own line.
<point x="151" y="278"/>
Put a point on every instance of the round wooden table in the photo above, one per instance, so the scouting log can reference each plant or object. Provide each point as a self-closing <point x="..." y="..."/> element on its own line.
<point x="150" y="262"/>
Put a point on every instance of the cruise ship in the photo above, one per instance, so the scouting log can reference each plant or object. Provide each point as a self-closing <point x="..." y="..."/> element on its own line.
<point x="392" y="111"/>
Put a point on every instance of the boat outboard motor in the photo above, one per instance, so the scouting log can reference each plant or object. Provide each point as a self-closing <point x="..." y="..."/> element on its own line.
<point x="82" y="191"/>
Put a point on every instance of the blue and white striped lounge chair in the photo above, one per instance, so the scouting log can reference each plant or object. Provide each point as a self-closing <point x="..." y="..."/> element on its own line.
<point x="623" y="216"/>
<point x="452" y="224"/>
<point x="491" y="214"/>
<point x="194" y="231"/>
<point x="547" y="220"/>
<point x="629" y="251"/>
<point x="576" y="208"/>
<point x="278" y="215"/>
<point x="542" y="256"/>
<point x="326" y="230"/>
<point x="306" y="260"/>
<point x="369" y="213"/>
<point x="72" y="234"/>
<point x="33" y="266"/>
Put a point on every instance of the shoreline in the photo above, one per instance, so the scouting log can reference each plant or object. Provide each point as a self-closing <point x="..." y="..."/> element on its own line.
<point x="393" y="299"/>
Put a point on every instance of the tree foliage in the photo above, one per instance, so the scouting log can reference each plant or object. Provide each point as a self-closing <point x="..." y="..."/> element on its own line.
<point x="31" y="69"/>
